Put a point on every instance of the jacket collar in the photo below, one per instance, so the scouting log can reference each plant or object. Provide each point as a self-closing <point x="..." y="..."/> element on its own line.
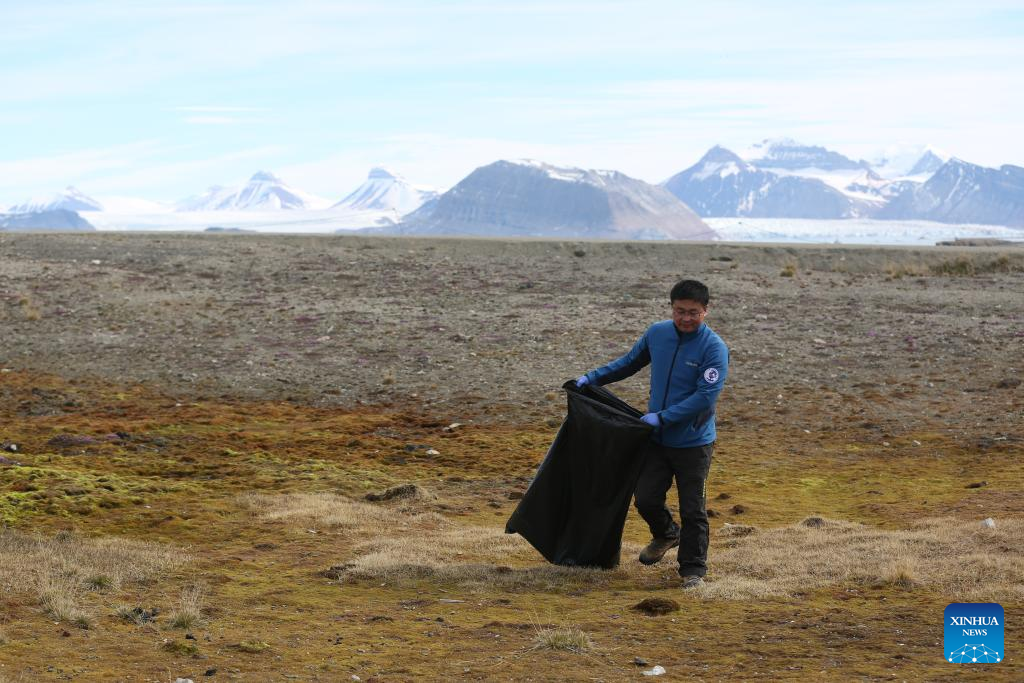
<point x="688" y="336"/>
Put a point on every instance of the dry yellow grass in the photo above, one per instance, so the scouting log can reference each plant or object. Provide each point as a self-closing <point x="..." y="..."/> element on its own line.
<point x="27" y="556"/>
<point x="61" y="568"/>
<point x="569" y="638"/>
<point x="964" y="560"/>
<point x="60" y="595"/>
<point x="331" y="511"/>
<point x="403" y="545"/>
<point x="189" y="612"/>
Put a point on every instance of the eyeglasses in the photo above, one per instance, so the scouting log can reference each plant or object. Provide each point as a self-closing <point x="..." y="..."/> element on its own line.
<point x="691" y="313"/>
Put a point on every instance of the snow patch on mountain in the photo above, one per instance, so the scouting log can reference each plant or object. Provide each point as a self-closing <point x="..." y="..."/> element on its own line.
<point x="597" y="178"/>
<point x="71" y="199"/>
<point x="385" y="190"/>
<point x="721" y="183"/>
<point x="263" y="192"/>
<point x="787" y="154"/>
<point x="916" y="162"/>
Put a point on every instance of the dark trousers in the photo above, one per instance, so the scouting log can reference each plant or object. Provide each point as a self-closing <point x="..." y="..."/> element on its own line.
<point x="689" y="467"/>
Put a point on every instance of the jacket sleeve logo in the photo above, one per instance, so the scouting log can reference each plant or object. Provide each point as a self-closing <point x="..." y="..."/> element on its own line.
<point x="711" y="375"/>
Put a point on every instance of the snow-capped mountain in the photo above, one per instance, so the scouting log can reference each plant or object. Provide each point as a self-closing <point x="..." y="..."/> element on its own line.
<point x="385" y="190"/>
<point x="723" y="184"/>
<point x="856" y="179"/>
<point x="51" y="219"/>
<point x="929" y="163"/>
<point x="905" y="161"/>
<point x="263" y="192"/>
<point x="531" y="198"/>
<point x="960" y="192"/>
<point x="787" y="154"/>
<point x="71" y="199"/>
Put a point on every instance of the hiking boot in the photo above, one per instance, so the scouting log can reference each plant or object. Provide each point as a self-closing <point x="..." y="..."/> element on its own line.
<point x="656" y="549"/>
<point x="690" y="582"/>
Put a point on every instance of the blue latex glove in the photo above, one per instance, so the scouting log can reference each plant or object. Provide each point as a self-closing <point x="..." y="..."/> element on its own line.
<point x="651" y="419"/>
<point x="582" y="381"/>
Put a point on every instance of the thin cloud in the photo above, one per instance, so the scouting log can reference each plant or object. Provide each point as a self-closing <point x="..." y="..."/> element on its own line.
<point x="128" y="168"/>
<point x="219" y="120"/>
<point x="218" y="109"/>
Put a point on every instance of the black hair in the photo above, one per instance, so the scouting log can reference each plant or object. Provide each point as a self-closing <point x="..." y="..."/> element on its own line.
<point x="691" y="289"/>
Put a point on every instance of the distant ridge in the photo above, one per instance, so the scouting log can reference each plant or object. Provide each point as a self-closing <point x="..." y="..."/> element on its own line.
<point x="961" y="192"/>
<point x="531" y="198"/>
<point x="57" y="219"/>
<point x="723" y="184"/>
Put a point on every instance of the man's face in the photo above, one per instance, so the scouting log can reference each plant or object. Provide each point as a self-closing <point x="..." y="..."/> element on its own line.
<point x="688" y="314"/>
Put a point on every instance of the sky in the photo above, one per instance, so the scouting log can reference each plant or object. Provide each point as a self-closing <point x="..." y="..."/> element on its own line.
<point x="160" y="100"/>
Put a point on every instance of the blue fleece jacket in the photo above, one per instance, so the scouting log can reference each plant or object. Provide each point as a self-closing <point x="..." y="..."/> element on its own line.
<point x="687" y="374"/>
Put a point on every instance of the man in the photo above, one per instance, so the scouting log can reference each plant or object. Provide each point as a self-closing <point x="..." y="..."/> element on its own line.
<point x="689" y="363"/>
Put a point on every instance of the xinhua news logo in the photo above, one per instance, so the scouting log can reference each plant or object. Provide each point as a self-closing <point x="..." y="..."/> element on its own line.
<point x="974" y="633"/>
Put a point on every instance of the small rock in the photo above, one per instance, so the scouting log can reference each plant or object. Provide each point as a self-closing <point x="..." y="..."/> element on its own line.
<point x="10" y="447"/>
<point x="813" y="522"/>
<point x="712" y="513"/>
<point x="452" y="427"/>
<point x="189" y="636"/>
<point x="738" y="509"/>
<point x="639" y="661"/>
<point x="1008" y="383"/>
<point x="431" y="451"/>
<point x="579" y="253"/>
<point x="656" y="671"/>
<point x="209" y="672"/>
<point x="988" y="523"/>
<point x="976" y="485"/>
<point x="515" y="495"/>
<point x="8" y="461"/>
<point x="723" y="496"/>
<point x="183" y="680"/>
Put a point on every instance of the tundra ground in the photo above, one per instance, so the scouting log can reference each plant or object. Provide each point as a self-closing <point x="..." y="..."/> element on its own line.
<point x="198" y="422"/>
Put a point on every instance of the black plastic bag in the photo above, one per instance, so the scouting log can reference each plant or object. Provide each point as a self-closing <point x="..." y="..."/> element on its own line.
<point x="575" y="508"/>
